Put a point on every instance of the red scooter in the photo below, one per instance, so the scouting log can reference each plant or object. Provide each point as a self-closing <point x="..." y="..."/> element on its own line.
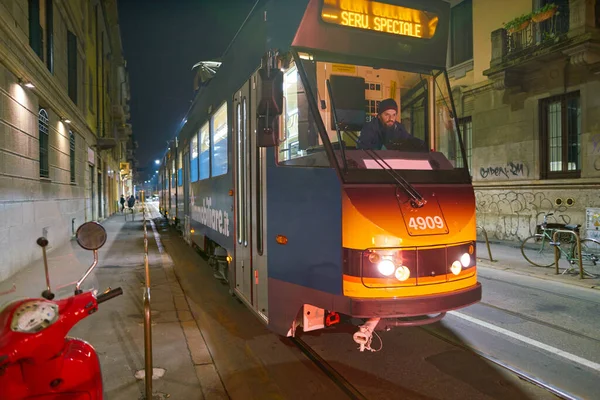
<point x="37" y="359"/>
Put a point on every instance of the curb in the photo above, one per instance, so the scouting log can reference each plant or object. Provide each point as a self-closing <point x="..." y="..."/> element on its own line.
<point x="542" y="276"/>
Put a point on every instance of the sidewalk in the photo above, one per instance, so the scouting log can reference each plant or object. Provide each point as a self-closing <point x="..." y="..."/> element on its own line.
<point x="183" y="367"/>
<point x="507" y="256"/>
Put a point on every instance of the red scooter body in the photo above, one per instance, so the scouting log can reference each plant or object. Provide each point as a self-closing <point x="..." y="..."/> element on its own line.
<point x="37" y="359"/>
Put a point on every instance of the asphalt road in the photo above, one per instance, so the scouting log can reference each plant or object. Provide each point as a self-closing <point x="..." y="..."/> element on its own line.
<point x="545" y="330"/>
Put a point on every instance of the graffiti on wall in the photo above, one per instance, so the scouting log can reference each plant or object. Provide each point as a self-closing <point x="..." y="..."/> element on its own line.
<point x="511" y="215"/>
<point x="510" y="170"/>
<point x="596" y="152"/>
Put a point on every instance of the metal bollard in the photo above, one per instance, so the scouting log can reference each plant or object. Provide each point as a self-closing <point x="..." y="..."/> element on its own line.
<point x="557" y="253"/>
<point x="147" y="315"/>
<point x="487" y="243"/>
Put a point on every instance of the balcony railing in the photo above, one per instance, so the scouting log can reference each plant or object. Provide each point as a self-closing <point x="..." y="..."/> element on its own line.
<point x="537" y="34"/>
<point x="570" y="32"/>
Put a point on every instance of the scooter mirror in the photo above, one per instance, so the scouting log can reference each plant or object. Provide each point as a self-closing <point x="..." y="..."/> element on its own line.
<point x="91" y="235"/>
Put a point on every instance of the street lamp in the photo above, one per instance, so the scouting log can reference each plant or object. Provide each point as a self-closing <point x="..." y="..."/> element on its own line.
<point x="157" y="162"/>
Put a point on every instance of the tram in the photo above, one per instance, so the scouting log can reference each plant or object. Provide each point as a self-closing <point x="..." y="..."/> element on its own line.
<point x="268" y="175"/>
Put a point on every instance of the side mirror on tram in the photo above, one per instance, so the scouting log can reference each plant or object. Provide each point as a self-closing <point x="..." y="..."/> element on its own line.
<point x="269" y="104"/>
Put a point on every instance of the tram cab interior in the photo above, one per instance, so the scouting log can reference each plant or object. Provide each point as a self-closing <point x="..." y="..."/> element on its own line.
<point x="424" y="109"/>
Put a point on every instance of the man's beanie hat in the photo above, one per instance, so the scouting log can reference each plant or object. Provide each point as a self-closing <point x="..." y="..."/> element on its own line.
<point x="387" y="104"/>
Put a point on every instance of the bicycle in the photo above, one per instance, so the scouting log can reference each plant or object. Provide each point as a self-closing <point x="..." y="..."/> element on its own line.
<point x="540" y="246"/>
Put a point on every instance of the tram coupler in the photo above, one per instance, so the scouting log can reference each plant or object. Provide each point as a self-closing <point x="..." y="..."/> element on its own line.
<point x="364" y="336"/>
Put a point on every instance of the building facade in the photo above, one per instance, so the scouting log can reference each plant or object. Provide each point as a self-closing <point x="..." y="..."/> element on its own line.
<point x="524" y="75"/>
<point x="63" y="122"/>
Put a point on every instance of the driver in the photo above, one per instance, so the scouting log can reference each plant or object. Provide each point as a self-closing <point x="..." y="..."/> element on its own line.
<point x="384" y="129"/>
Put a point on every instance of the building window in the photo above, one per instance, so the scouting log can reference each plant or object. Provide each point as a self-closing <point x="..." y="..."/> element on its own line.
<point x="72" y="65"/>
<point x="194" y="158"/>
<point x="560" y="136"/>
<point x="466" y="130"/>
<point x="41" y="30"/>
<point x="44" y="143"/>
<point x="204" y="152"/>
<point x="72" y="154"/>
<point x="90" y="91"/>
<point x="219" y="142"/>
<point x="461" y="32"/>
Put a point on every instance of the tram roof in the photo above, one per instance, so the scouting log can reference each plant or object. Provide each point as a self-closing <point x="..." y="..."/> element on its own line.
<point x="283" y="24"/>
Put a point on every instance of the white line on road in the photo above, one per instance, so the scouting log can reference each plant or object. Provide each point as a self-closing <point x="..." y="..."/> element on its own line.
<point x="524" y="339"/>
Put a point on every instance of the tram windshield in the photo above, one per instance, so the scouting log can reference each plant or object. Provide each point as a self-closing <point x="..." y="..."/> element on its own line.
<point x="348" y="98"/>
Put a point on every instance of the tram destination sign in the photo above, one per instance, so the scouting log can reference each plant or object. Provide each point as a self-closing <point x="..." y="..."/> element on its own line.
<point x="380" y="17"/>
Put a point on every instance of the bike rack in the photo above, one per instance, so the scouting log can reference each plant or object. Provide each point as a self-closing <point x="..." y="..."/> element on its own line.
<point x="487" y="243"/>
<point x="557" y="252"/>
<point x="147" y="315"/>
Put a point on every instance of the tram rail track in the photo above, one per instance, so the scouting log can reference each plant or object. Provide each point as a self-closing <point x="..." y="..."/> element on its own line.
<point x="353" y="393"/>
<point x="345" y="385"/>
<point x="518" y="372"/>
<point x="540" y="322"/>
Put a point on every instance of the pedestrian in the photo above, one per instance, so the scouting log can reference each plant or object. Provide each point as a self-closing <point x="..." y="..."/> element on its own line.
<point x="131" y="202"/>
<point x="122" y="201"/>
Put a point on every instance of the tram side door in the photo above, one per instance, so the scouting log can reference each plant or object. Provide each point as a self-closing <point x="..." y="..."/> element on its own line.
<point x="243" y="198"/>
<point x="259" y="209"/>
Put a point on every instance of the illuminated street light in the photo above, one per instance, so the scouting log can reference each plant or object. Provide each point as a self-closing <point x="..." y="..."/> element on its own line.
<point x="157" y="162"/>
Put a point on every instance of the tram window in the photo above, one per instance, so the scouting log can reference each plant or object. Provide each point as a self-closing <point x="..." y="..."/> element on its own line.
<point x="298" y="144"/>
<point x="194" y="158"/>
<point x="204" y="152"/>
<point x="424" y="109"/>
<point x="180" y="169"/>
<point x="173" y="175"/>
<point x="219" y="142"/>
<point x="414" y="115"/>
<point x="446" y="134"/>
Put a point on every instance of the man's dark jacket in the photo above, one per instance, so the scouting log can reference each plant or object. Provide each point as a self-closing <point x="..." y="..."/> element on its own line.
<point x="374" y="136"/>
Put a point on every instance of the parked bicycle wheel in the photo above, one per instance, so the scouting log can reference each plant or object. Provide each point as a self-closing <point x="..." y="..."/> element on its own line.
<point x="538" y="251"/>
<point x="590" y="250"/>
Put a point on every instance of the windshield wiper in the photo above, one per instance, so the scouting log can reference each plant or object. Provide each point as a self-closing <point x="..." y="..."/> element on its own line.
<point x="337" y="129"/>
<point x="417" y="201"/>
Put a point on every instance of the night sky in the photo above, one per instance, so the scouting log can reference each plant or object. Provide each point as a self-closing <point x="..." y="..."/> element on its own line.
<point x="162" y="40"/>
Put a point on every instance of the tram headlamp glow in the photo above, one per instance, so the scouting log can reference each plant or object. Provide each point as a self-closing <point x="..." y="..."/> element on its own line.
<point x="456" y="267"/>
<point x="402" y="273"/>
<point x="465" y="260"/>
<point x="386" y="267"/>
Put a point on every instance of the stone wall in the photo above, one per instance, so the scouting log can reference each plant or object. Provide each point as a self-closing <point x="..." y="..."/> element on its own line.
<point x="512" y="213"/>
<point x="31" y="206"/>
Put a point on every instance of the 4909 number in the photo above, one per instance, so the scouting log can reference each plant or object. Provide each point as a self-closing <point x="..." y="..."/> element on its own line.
<point x="426" y="223"/>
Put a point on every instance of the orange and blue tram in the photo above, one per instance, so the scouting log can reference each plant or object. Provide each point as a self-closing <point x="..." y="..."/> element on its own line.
<point x="268" y="177"/>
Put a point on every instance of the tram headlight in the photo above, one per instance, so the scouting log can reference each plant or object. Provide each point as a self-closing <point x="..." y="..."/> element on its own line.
<point x="386" y="267"/>
<point x="456" y="267"/>
<point x="402" y="273"/>
<point x="465" y="259"/>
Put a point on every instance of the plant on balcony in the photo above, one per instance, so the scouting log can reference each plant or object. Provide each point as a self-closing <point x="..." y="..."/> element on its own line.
<point x="544" y="13"/>
<point x="518" y="24"/>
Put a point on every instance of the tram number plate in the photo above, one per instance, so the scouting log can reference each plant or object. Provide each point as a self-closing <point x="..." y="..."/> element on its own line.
<point x="427" y="220"/>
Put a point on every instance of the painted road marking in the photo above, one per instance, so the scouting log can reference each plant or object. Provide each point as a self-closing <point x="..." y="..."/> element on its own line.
<point x="532" y="342"/>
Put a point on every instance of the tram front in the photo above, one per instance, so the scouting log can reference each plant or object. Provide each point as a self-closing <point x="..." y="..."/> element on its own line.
<point x="408" y="207"/>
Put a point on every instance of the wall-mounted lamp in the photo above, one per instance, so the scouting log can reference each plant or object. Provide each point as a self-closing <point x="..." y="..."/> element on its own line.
<point x="66" y="120"/>
<point x="26" y="83"/>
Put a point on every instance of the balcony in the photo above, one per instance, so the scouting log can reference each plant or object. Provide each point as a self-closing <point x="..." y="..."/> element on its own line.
<point x="117" y="112"/>
<point x="124" y="132"/>
<point x="533" y="41"/>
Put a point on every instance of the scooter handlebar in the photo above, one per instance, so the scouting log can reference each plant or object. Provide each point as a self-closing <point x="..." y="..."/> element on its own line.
<point x="109" y="295"/>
